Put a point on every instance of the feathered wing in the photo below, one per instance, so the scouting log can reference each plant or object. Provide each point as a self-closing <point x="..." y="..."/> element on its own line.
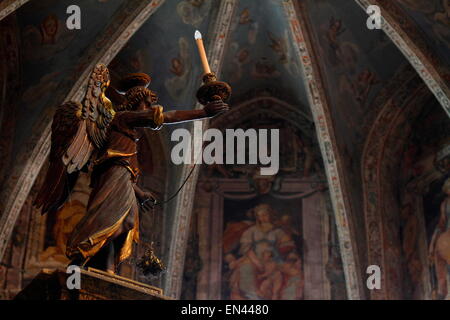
<point x="77" y="131"/>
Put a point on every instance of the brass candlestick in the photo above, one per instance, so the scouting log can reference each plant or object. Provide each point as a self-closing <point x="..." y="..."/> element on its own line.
<point x="213" y="90"/>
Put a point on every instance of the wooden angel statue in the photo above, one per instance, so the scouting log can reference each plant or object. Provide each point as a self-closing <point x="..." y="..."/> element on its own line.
<point x="103" y="136"/>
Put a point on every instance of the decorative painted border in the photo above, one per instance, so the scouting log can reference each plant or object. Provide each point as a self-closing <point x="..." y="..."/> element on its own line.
<point x="185" y="200"/>
<point x="372" y="157"/>
<point x="10" y="67"/>
<point x="9" y="6"/>
<point x="402" y="32"/>
<point x="125" y="23"/>
<point x="320" y="110"/>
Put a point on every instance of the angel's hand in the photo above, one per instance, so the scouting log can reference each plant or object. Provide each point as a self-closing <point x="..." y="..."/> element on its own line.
<point x="148" y="200"/>
<point x="216" y="107"/>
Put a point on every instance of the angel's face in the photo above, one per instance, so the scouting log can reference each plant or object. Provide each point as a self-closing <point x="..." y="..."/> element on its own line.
<point x="145" y="104"/>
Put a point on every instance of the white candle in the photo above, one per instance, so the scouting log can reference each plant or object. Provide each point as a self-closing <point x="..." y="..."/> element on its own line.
<point x="202" y="52"/>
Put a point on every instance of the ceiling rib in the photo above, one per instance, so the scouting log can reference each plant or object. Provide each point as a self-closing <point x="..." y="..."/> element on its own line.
<point x="393" y="23"/>
<point x="325" y="134"/>
<point x="9" y="6"/>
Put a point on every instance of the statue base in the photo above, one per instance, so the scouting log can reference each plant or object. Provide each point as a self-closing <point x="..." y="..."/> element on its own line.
<point x="50" y="284"/>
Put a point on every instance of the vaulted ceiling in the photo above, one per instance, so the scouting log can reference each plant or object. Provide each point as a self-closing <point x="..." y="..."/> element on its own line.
<point x="355" y="63"/>
<point x="432" y="17"/>
<point x="50" y="51"/>
<point x="360" y="69"/>
<point x="258" y="56"/>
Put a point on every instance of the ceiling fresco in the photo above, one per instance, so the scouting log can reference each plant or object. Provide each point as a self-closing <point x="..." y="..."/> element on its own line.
<point x="50" y="51"/>
<point x="165" y="48"/>
<point x="260" y="53"/>
<point x="259" y="49"/>
<point x="356" y="64"/>
<point x="433" y="19"/>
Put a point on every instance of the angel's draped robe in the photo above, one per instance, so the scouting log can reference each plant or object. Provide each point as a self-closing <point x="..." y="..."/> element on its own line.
<point x="112" y="205"/>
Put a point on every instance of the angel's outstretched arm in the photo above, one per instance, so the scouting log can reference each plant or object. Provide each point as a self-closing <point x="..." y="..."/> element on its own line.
<point x="154" y="117"/>
<point x="171" y="117"/>
<point x="210" y="110"/>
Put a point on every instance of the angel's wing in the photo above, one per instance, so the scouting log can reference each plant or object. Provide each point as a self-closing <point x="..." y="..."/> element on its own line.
<point x="77" y="130"/>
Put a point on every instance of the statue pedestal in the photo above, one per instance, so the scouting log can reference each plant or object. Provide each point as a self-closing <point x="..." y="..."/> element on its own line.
<point x="50" y="284"/>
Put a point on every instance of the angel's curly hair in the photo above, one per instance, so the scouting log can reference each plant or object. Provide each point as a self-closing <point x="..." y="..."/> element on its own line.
<point x="135" y="95"/>
<point x="135" y="87"/>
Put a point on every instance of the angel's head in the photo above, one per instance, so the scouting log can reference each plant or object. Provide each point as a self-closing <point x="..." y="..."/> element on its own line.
<point x="137" y="94"/>
<point x="140" y="98"/>
<point x="134" y="80"/>
<point x="50" y="25"/>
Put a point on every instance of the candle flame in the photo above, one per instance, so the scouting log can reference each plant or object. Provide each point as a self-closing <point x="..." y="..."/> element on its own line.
<point x="197" y="35"/>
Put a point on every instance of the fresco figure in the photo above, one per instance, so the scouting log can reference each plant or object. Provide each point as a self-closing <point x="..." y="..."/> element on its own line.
<point x="440" y="246"/>
<point x="49" y="29"/>
<point x="193" y="12"/>
<point x="263" y="269"/>
<point x="180" y="67"/>
<point x="245" y="17"/>
<point x="332" y="34"/>
<point x="233" y="276"/>
<point x="241" y="58"/>
<point x="282" y="47"/>
<point x="43" y="42"/>
<point x="278" y="45"/>
<point x="271" y="277"/>
<point x="264" y="69"/>
<point x="293" y="274"/>
<point x="341" y="54"/>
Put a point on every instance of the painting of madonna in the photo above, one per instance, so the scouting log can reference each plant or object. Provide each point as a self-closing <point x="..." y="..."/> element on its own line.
<point x="261" y="257"/>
